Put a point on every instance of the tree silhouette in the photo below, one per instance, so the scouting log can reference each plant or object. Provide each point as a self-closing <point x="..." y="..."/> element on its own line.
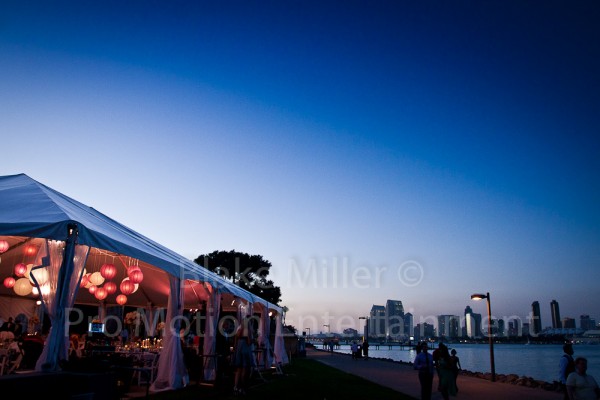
<point x="249" y="272"/>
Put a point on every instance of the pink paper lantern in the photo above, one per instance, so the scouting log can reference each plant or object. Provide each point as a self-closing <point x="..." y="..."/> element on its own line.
<point x="127" y="287"/>
<point x="108" y="271"/>
<point x="20" y="269"/>
<point x="101" y="293"/>
<point x="121" y="299"/>
<point x="93" y="289"/>
<point x="131" y="269"/>
<point x="3" y="246"/>
<point x="9" y="282"/>
<point x="136" y="276"/>
<point x="110" y="287"/>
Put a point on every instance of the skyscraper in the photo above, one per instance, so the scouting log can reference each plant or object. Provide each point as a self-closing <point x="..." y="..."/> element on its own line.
<point x="472" y="323"/>
<point x="394" y="314"/>
<point x="377" y="321"/>
<point x="555" y="311"/>
<point x="536" y="319"/>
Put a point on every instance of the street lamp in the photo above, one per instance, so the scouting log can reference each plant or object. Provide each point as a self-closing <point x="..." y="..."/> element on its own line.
<point x="479" y="296"/>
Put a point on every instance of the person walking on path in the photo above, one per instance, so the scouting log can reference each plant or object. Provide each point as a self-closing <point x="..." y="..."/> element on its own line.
<point x="354" y="349"/>
<point x="424" y="364"/>
<point x="446" y="374"/>
<point x="566" y="365"/>
<point x="365" y="349"/>
<point x="455" y="364"/>
<point x="580" y="385"/>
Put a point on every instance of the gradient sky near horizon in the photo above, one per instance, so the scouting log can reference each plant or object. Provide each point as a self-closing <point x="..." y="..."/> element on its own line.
<point x="415" y="151"/>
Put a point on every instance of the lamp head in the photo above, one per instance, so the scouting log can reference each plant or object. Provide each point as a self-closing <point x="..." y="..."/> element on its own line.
<point x="478" y="296"/>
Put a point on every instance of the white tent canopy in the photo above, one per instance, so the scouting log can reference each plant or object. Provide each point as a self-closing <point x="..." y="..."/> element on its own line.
<point x="34" y="215"/>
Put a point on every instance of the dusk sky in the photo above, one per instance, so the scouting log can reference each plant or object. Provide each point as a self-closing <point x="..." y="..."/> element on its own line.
<point x="418" y="151"/>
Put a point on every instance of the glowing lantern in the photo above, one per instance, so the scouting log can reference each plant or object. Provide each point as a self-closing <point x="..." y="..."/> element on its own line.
<point x="3" y="246"/>
<point x="131" y="269"/>
<point x="40" y="274"/>
<point x="20" y="269"/>
<point x="30" y="250"/>
<point x="110" y="287"/>
<point x="108" y="271"/>
<point x="101" y="293"/>
<point x="97" y="279"/>
<point x="127" y="287"/>
<point x="9" y="282"/>
<point x="92" y="289"/>
<point x="136" y="276"/>
<point x="22" y="287"/>
<point x="121" y="299"/>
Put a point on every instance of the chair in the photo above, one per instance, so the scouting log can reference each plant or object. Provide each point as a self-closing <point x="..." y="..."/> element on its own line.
<point x="146" y="370"/>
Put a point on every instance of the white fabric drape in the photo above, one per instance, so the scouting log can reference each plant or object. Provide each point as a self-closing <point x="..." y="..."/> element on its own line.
<point x="66" y="263"/>
<point x="279" y="352"/>
<point x="210" y="334"/>
<point x="171" y="372"/>
<point x="263" y="337"/>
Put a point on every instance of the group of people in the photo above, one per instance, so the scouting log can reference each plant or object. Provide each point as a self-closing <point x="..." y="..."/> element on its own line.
<point x="442" y="361"/>
<point x="576" y="382"/>
<point x="360" y="350"/>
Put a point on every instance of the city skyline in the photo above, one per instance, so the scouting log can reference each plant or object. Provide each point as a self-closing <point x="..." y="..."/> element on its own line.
<point x="422" y="151"/>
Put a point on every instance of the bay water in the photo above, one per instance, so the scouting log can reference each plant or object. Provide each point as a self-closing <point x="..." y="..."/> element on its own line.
<point x="538" y="361"/>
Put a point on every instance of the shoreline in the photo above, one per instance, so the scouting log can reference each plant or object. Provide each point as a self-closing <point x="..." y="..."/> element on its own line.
<point x="511" y="379"/>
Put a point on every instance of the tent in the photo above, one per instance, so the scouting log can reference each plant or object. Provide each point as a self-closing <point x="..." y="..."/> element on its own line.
<point x="62" y="241"/>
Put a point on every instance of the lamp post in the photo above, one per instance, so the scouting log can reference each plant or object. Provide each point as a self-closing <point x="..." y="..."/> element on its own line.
<point x="366" y="329"/>
<point x="479" y="296"/>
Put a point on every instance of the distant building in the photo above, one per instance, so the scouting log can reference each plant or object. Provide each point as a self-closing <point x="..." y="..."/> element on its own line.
<point x="586" y="323"/>
<point x="377" y="322"/>
<point x="394" y="315"/>
<point x="409" y="329"/>
<point x="500" y="328"/>
<point x="568" y="323"/>
<point x="514" y="327"/>
<point x="424" y="331"/>
<point x="536" y="319"/>
<point x="526" y="329"/>
<point x="472" y="323"/>
<point x="448" y="326"/>
<point x="555" y="311"/>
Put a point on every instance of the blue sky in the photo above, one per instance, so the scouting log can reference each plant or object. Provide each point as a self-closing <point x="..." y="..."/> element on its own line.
<point x="430" y="149"/>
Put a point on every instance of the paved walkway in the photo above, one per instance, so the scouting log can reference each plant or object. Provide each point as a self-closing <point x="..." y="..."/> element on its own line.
<point x="403" y="378"/>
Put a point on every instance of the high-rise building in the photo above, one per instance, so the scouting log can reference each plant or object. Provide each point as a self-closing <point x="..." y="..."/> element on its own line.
<point x="448" y="326"/>
<point x="409" y="329"/>
<point x="586" y="323"/>
<point x="536" y="319"/>
<point x="394" y="315"/>
<point x="472" y="323"/>
<point x="555" y="311"/>
<point x="568" y="323"/>
<point x="424" y="331"/>
<point x="377" y="322"/>
<point x="514" y="327"/>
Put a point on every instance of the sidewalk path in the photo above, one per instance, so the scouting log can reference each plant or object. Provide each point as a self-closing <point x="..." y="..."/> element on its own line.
<point x="403" y="378"/>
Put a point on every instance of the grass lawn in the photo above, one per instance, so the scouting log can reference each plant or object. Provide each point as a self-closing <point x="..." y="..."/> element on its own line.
<point x="304" y="379"/>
